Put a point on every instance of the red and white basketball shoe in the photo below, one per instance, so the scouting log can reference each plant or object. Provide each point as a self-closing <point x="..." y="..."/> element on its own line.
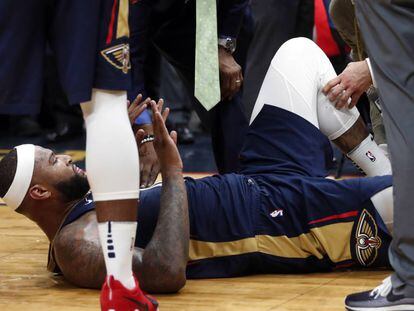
<point x="115" y="297"/>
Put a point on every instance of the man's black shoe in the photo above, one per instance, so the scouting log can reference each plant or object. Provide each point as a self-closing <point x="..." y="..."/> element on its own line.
<point x="381" y="298"/>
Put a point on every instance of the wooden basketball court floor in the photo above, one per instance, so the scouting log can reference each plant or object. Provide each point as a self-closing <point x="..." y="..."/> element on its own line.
<point x="26" y="285"/>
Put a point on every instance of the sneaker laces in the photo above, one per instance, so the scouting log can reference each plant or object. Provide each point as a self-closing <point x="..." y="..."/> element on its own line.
<point x="383" y="289"/>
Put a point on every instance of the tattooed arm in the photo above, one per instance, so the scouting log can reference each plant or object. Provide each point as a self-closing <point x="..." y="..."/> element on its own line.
<point x="166" y="255"/>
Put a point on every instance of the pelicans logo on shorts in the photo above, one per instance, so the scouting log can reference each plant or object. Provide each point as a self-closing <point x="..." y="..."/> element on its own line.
<point x="118" y="56"/>
<point x="367" y="240"/>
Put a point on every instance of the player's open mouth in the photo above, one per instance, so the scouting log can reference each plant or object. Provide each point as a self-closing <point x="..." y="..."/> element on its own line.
<point x="78" y="171"/>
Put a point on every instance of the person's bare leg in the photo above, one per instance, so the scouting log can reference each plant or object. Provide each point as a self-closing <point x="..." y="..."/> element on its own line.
<point x="352" y="137"/>
<point x="118" y="210"/>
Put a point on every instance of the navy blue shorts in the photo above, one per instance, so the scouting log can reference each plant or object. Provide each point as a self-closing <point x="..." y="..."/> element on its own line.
<point x="89" y="40"/>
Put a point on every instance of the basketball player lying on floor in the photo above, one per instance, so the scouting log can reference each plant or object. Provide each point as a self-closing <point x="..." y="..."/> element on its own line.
<point x="279" y="214"/>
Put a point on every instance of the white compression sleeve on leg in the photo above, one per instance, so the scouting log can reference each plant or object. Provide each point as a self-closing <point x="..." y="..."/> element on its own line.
<point x="371" y="158"/>
<point x="294" y="82"/>
<point x="333" y="123"/>
<point x="112" y="161"/>
<point x="384" y="204"/>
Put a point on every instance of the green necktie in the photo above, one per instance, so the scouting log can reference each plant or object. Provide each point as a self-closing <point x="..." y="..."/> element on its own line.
<point x="207" y="80"/>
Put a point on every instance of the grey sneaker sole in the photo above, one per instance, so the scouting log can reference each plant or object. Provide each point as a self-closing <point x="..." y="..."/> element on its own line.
<point x="390" y="308"/>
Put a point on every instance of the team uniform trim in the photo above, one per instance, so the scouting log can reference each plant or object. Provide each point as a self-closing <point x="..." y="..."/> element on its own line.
<point x="315" y="243"/>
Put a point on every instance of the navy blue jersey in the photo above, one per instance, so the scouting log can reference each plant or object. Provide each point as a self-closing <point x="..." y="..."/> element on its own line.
<point x="88" y="38"/>
<point x="276" y="216"/>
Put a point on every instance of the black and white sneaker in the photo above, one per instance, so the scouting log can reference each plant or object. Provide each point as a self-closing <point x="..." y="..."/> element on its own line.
<point x="380" y="298"/>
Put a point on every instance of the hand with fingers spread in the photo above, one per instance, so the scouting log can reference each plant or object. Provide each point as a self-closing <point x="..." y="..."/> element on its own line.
<point x="346" y="89"/>
<point x="149" y="165"/>
<point x="165" y="143"/>
<point x="231" y="77"/>
<point x="137" y="107"/>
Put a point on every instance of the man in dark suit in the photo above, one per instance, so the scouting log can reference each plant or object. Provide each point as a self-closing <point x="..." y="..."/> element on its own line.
<point x="172" y="30"/>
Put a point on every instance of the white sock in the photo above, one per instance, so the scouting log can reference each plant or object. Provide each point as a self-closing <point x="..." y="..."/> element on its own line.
<point x="371" y="158"/>
<point x="117" y="241"/>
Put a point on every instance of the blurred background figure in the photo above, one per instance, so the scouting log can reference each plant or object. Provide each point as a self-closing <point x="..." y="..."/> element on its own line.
<point x="54" y="119"/>
<point x="163" y="81"/>
<point x="60" y="120"/>
<point x="327" y="37"/>
<point x="275" y="22"/>
<point x="173" y="91"/>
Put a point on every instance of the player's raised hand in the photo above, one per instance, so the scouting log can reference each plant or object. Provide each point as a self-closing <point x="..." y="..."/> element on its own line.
<point x="165" y="143"/>
<point x="137" y="107"/>
<point x="149" y="166"/>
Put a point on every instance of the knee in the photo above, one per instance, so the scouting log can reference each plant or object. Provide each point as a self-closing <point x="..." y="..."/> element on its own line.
<point x="298" y="44"/>
<point x="297" y="49"/>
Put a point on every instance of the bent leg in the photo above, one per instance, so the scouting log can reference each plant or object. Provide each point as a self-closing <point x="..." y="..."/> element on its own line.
<point x="294" y="82"/>
<point x="291" y="80"/>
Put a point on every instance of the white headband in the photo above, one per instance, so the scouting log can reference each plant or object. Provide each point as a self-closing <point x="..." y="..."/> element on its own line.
<point x="23" y="177"/>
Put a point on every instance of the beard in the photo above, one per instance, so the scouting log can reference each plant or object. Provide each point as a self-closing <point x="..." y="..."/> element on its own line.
<point x="73" y="189"/>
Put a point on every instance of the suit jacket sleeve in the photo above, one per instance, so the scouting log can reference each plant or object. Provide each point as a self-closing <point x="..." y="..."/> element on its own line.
<point x="230" y="17"/>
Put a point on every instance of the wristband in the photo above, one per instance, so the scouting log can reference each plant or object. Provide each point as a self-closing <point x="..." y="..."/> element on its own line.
<point x="144" y="118"/>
